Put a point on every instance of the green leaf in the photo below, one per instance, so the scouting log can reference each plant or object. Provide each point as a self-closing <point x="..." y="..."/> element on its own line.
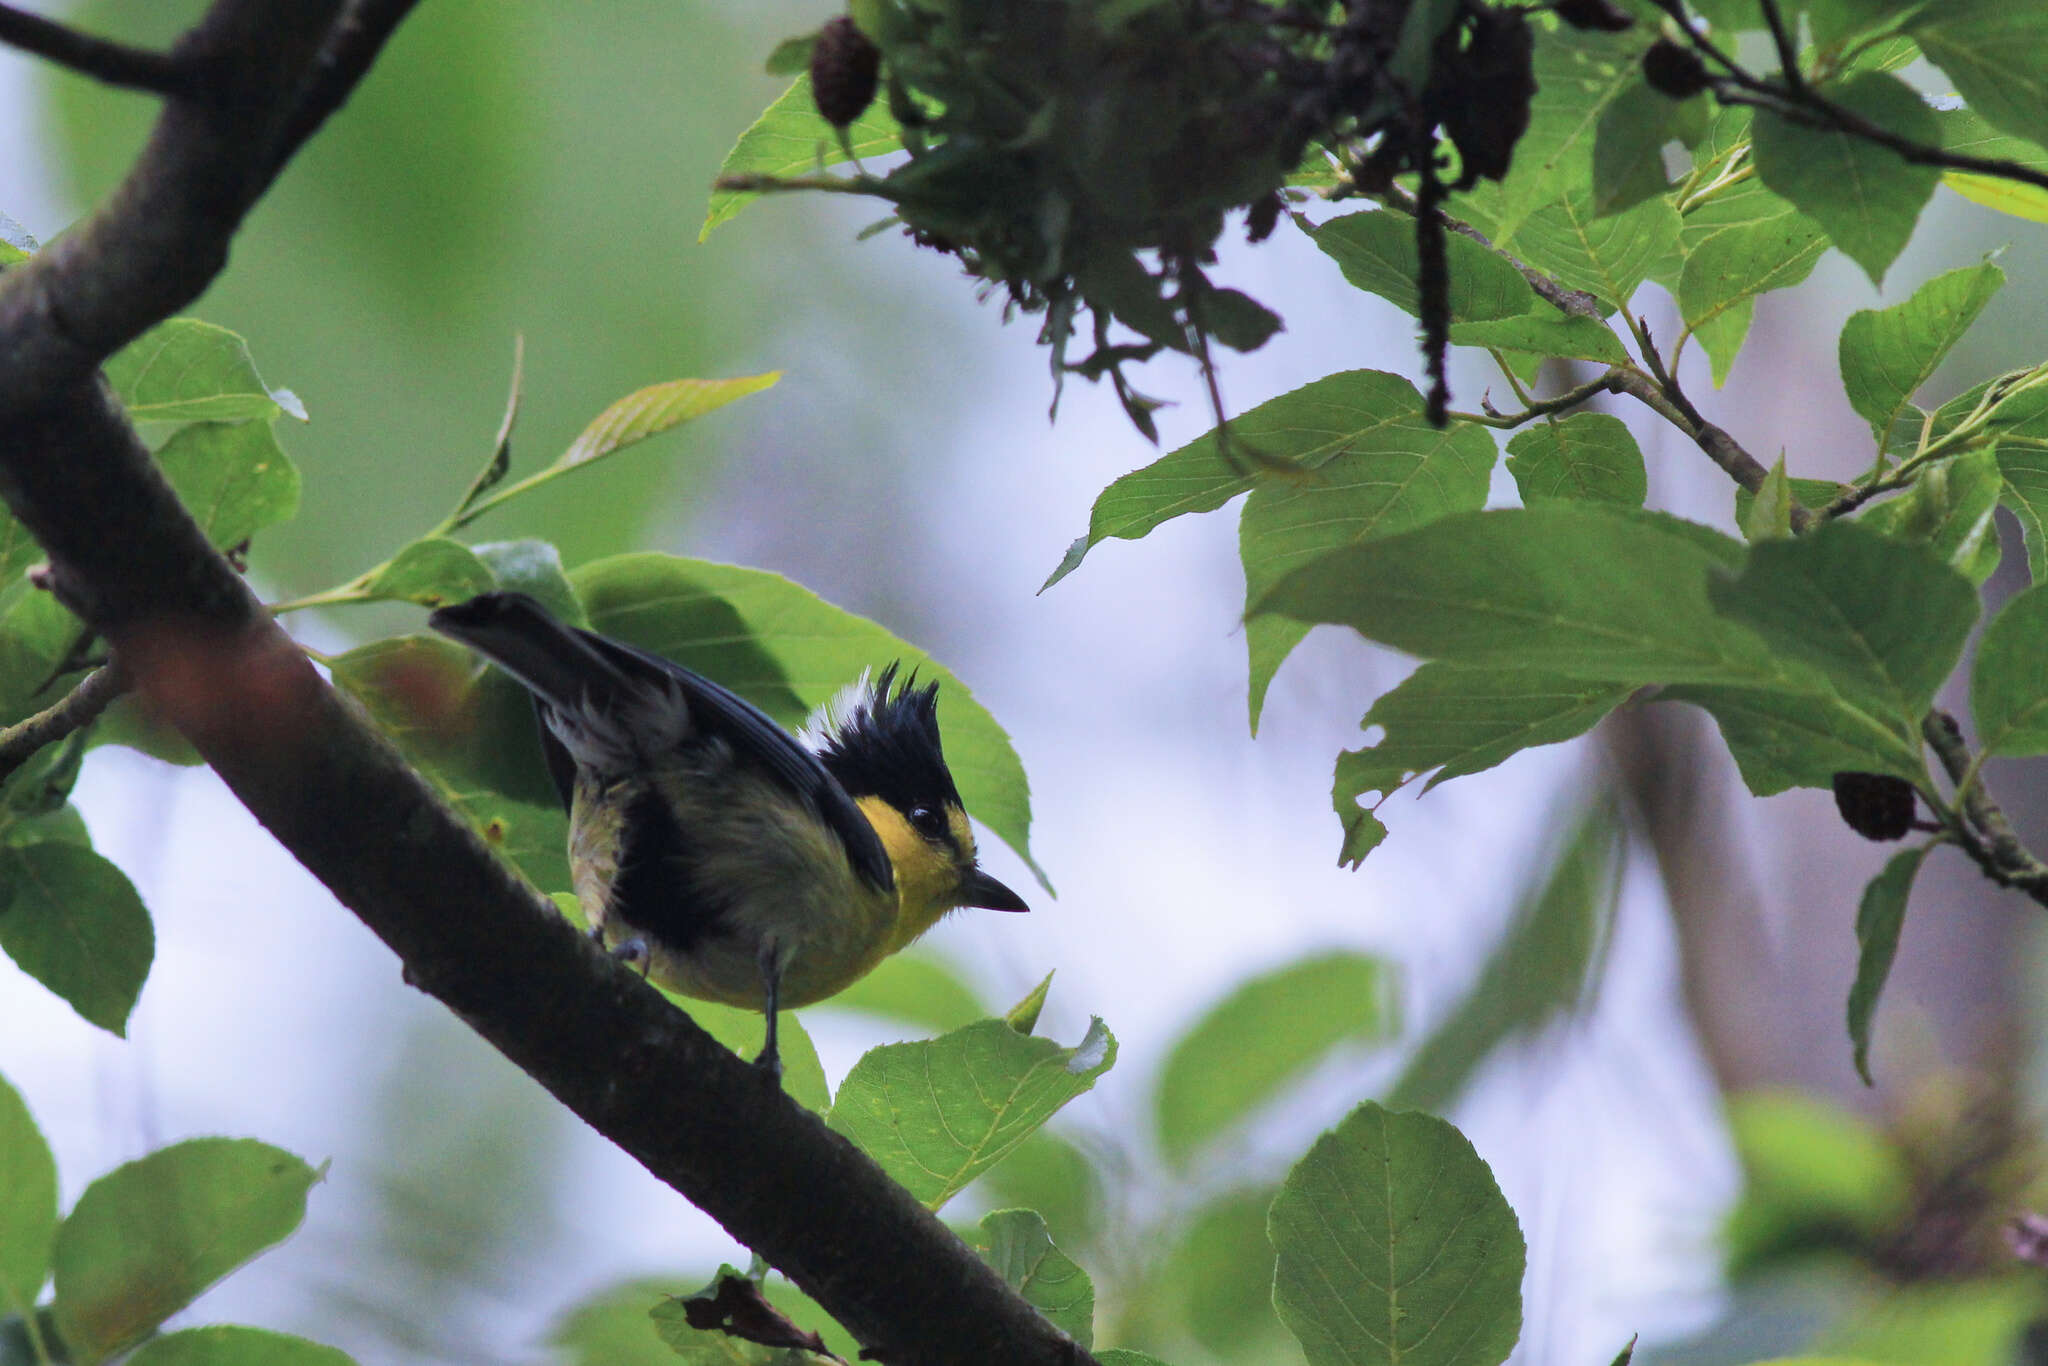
<point x="1608" y="257"/>
<point x="917" y="988"/>
<point x="1810" y="493"/>
<point x="1628" y="145"/>
<point x="938" y="1113"/>
<point x="1376" y="251"/>
<point x="1782" y="740"/>
<point x="1948" y="510"/>
<point x="687" y="610"/>
<point x="1538" y="970"/>
<point x="432" y="572"/>
<point x="744" y="1032"/>
<point x="1581" y="590"/>
<point x="234" y="1345"/>
<point x="1394" y="473"/>
<point x="233" y="478"/>
<point x="1545" y="332"/>
<point x="792" y="138"/>
<point x="611" y="1328"/>
<point x="1815" y="1173"/>
<point x="535" y="569"/>
<point x="1237" y="320"/>
<point x="1308" y="428"/>
<point x="1580" y="73"/>
<point x="185" y="370"/>
<point x="2009" y="679"/>
<point x="1017" y="1244"/>
<point x="1216" y="1283"/>
<point x="1263" y="1036"/>
<point x="1727" y="270"/>
<point x="28" y="1203"/>
<point x="1883" y="621"/>
<point x="1879" y="918"/>
<point x="1965" y="132"/>
<point x="1587" y="457"/>
<point x="73" y="921"/>
<point x="1055" y="1177"/>
<point x="1888" y="353"/>
<point x="1127" y="1356"/>
<point x="1023" y="1016"/>
<point x="147" y="1238"/>
<point x="1396" y="1247"/>
<point x="792" y="56"/>
<point x="1459" y="721"/>
<point x="16" y="242"/>
<point x="1768" y="515"/>
<point x="2025" y="492"/>
<point x="654" y="410"/>
<point x="1997" y="54"/>
<point x="1867" y="197"/>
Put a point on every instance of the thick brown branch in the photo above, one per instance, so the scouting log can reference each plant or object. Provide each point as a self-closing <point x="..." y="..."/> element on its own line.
<point x="330" y="789"/>
<point x="1982" y="830"/>
<point x="74" y="711"/>
<point x="110" y="63"/>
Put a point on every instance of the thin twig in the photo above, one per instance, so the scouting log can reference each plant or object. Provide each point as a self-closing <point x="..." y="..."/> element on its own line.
<point x="74" y="711"/>
<point x="108" y="62"/>
<point x="1542" y="407"/>
<point x="1788" y="54"/>
<point x="1980" y="826"/>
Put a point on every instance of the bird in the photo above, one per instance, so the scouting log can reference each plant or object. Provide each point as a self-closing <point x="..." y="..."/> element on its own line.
<point x="728" y="859"/>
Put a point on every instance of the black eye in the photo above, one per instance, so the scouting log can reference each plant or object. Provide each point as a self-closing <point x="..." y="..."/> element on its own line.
<point x="929" y="821"/>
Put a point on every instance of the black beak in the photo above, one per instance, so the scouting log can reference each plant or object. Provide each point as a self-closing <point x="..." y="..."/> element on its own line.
<point x="984" y="891"/>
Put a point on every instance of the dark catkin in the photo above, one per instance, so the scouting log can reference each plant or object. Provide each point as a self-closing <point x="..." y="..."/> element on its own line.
<point x="845" y="67"/>
<point x="1675" y="71"/>
<point x="1876" y="806"/>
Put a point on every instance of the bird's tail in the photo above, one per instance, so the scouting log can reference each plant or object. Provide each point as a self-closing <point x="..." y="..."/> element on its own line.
<point x="556" y="662"/>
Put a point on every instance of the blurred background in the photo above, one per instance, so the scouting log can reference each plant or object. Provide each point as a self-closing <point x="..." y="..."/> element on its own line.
<point x="542" y="170"/>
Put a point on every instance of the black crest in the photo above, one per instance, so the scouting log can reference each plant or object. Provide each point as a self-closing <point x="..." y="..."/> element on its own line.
<point x="887" y="746"/>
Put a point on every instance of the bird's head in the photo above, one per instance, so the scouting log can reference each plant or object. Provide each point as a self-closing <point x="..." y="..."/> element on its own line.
<point x="880" y="740"/>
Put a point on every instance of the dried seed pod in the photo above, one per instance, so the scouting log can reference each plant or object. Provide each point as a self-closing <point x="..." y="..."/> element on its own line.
<point x="845" y="65"/>
<point x="1876" y="806"/>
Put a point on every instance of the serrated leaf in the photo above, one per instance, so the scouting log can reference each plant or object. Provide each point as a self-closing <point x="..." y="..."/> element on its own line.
<point x="232" y="477"/>
<point x="792" y="138"/>
<point x="144" y="1240"/>
<point x="655" y="409"/>
<point x="185" y="370"/>
<point x="1580" y="73"/>
<point x="1736" y="264"/>
<point x="28" y="1202"/>
<point x="918" y="988"/>
<point x="1888" y="353"/>
<point x="235" y="1345"/>
<point x="1538" y="970"/>
<point x="1019" y="1247"/>
<point x="1883" y="621"/>
<point x="1768" y="515"/>
<point x="1608" y="257"/>
<point x="1606" y="595"/>
<point x="1395" y="472"/>
<point x="1782" y="740"/>
<point x="72" y="920"/>
<point x="1948" y="511"/>
<point x="1867" y="197"/>
<point x="1376" y="251"/>
<point x="687" y="610"/>
<point x="1583" y="458"/>
<point x="1458" y="721"/>
<point x="1879" y="918"/>
<point x="1395" y="1246"/>
<point x="535" y="569"/>
<point x="2009" y="679"/>
<point x="1997" y="55"/>
<point x="938" y="1113"/>
<point x="432" y="572"/>
<point x="1266" y="1034"/>
<point x="1545" y="332"/>
<point x="1629" y="142"/>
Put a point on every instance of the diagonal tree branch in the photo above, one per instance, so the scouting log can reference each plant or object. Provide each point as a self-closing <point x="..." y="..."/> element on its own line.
<point x="199" y="646"/>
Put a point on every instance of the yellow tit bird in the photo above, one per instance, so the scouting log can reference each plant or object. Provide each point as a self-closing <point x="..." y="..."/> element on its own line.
<point x="729" y="859"/>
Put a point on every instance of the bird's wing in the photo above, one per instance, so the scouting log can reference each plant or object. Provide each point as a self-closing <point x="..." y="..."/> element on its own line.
<point x="754" y="736"/>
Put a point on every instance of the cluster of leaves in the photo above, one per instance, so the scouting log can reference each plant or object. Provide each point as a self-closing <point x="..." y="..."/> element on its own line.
<point x="1817" y="646"/>
<point x="1084" y="155"/>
